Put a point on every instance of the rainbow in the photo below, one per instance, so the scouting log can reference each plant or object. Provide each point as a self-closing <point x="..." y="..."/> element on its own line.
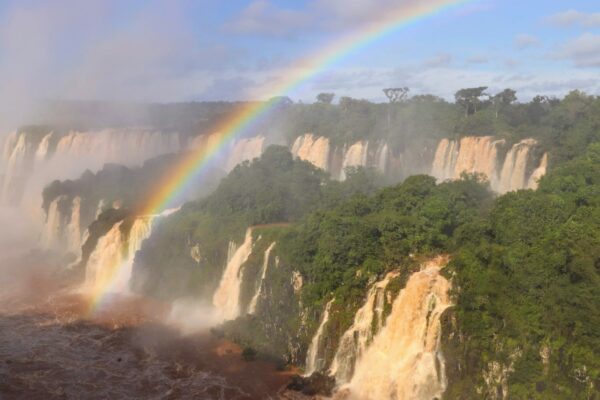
<point x="178" y="179"/>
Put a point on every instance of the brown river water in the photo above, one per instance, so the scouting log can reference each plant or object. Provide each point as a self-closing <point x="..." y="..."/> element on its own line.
<point x="50" y="349"/>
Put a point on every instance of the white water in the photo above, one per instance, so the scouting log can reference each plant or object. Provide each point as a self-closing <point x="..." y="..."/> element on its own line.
<point x="29" y="166"/>
<point x="62" y="232"/>
<point x="73" y="229"/>
<point x="480" y="155"/>
<point x="404" y="362"/>
<point x="355" y="156"/>
<point x="382" y="157"/>
<point x="315" y="363"/>
<point x="245" y="150"/>
<point x="110" y="265"/>
<point x="227" y="296"/>
<point x="52" y="227"/>
<point x="105" y="260"/>
<point x="314" y="149"/>
<point x="355" y="340"/>
<point x="538" y="173"/>
<point x="140" y="231"/>
<point x="263" y="274"/>
<point x="513" y="172"/>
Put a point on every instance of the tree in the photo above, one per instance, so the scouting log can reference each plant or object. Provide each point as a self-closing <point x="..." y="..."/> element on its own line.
<point x="470" y="98"/>
<point x="503" y="100"/>
<point x="325" y="98"/>
<point x="395" y="95"/>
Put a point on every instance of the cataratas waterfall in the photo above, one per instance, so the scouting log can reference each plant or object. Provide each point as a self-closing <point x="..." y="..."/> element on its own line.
<point x="315" y="363"/>
<point x="367" y="321"/>
<point x="263" y="274"/>
<point x="63" y="231"/>
<point x="315" y="150"/>
<point x="517" y="170"/>
<point x="227" y="296"/>
<point x="404" y="361"/>
<point x="28" y="156"/>
<point x="110" y="265"/>
<point x="318" y="151"/>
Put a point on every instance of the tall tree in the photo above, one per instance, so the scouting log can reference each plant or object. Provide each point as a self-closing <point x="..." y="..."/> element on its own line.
<point x="471" y="98"/>
<point x="395" y="95"/>
<point x="503" y="99"/>
<point x="325" y="98"/>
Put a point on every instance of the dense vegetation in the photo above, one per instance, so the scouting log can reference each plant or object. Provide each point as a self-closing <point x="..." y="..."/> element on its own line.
<point x="527" y="277"/>
<point x="273" y="189"/>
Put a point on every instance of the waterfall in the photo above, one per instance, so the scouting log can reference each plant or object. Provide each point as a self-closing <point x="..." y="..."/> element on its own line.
<point x="404" y="362"/>
<point x="73" y="230"/>
<point x="471" y="155"/>
<point x="15" y="167"/>
<point x="52" y="227"/>
<point x="140" y="231"/>
<point x="355" y="156"/>
<point x="110" y="265"/>
<point x="538" y="172"/>
<point x="314" y="149"/>
<point x="245" y="150"/>
<point x="227" y="296"/>
<point x="104" y="261"/>
<point x="513" y="176"/>
<point x="480" y="155"/>
<point x="367" y="321"/>
<point x="25" y="157"/>
<point x="254" y="301"/>
<point x="382" y="157"/>
<point x="8" y="145"/>
<point x="42" y="151"/>
<point x="315" y="363"/>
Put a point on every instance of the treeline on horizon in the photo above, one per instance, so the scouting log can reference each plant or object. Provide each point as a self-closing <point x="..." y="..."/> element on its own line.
<point x="405" y="122"/>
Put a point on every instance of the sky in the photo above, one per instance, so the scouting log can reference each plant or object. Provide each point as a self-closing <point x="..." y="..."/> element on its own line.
<point x="195" y="50"/>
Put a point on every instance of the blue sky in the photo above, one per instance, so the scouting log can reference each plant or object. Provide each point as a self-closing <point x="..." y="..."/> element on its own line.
<point x="180" y="50"/>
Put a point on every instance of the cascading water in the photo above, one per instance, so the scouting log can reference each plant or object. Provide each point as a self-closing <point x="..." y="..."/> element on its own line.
<point x="314" y="149"/>
<point x="538" y="173"/>
<point x="367" y="321"/>
<point x="43" y="148"/>
<point x="27" y="158"/>
<point x="382" y="157"/>
<point x="314" y="359"/>
<point x="227" y="296"/>
<point x="405" y="362"/>
<point x="73" y="230"/>
<point x="110" y="265"/>
<point x="356" y="156"/>
<point x="513" y="175"/>
<point x="52" y="226"/>
<point x="245" y="150"/>
<point x="263" y="274"/>
<point x="480" y="155"/>
<point x="105" y="260"/>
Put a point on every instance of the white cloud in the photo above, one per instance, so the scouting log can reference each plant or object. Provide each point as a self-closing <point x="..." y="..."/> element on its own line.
<point x="583" y="51"/>
<point x="439" y="60"/>
<point x="478" y="59"/>
<point x="574" y="17"/>
<point x="265" y="18"/>
<point x="525" y="41"/>
<point x="262" y="17"/>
